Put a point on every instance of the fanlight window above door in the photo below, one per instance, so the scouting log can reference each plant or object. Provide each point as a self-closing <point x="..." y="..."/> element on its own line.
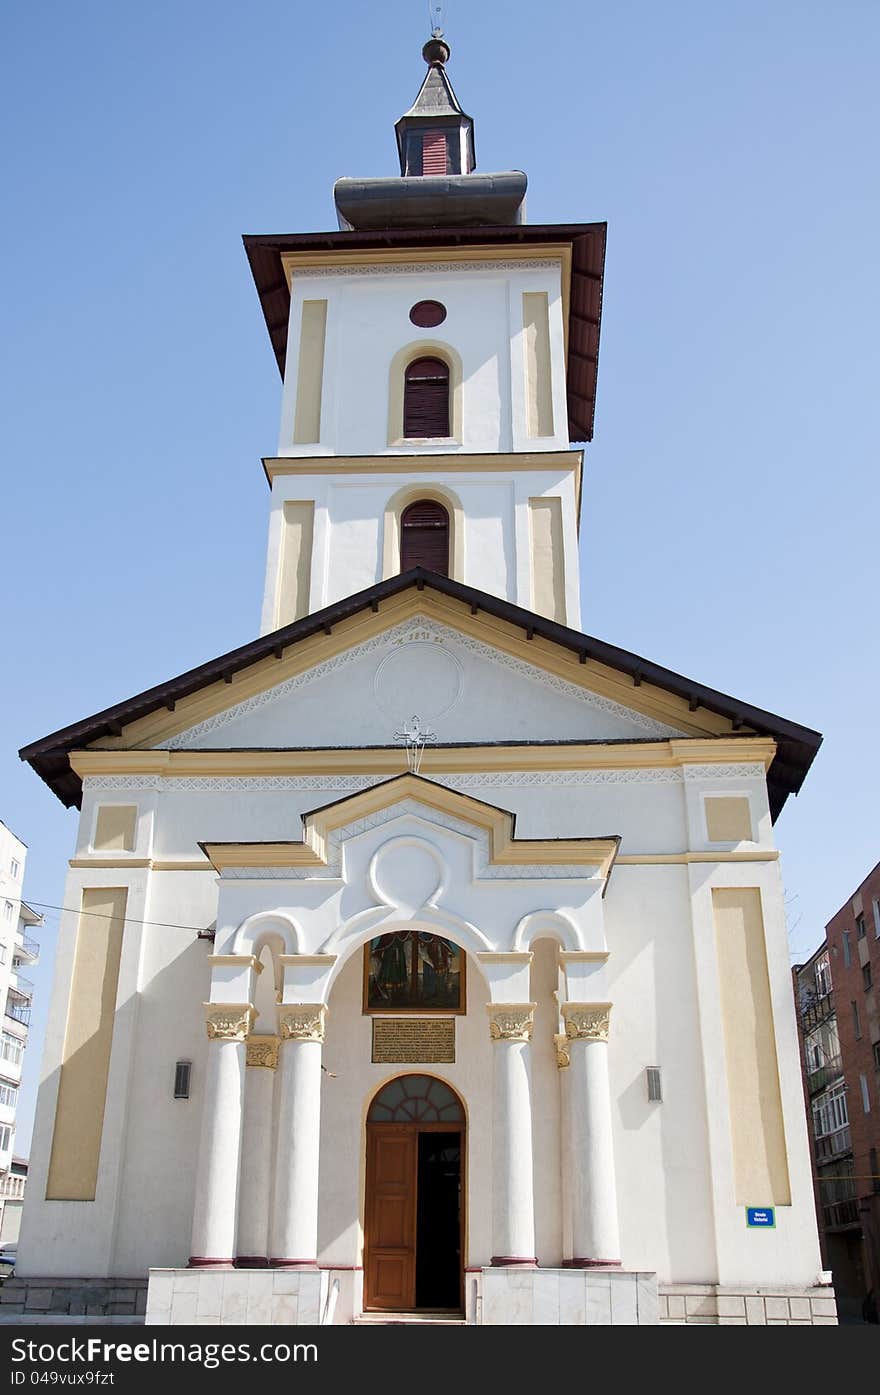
<point x="416" y="1099"/>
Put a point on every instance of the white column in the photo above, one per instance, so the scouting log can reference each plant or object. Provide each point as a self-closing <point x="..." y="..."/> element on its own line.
<point x="216" y="1200"/>
<point x="591" y="1177"/>
<point x="293" y="1230"/>
<point x="513" y="1204"/>
<point x="255" y="1189"/>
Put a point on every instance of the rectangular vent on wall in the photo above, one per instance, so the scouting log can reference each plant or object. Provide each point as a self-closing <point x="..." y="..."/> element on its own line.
<point x="652" y="1074"/>
<point x="182" y="1073"/>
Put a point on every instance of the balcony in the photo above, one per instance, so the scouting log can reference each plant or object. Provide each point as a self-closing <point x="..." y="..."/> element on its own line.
<point x="12" y="1186"/>
<point x="832" y="1145"/>
<point x="818" y="1079"/>
<point x="26" y="949"/>
<point x="19" y="999"/>
<point x="815" y="1011"/>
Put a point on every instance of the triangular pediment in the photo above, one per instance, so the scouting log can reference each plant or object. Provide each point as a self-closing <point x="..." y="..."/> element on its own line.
<point x="460" y="686"/>
<point x="475" y="668"/>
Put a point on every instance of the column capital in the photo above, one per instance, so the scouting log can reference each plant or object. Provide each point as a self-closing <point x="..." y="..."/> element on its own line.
<point x="229" y="1021"/>
<point x="301" y="1021"/>
<point x="263" y="1051"/>
<point x="586" y="1021"/>
<point x="563" y="1055"/>
<point x="511" y="1021"/>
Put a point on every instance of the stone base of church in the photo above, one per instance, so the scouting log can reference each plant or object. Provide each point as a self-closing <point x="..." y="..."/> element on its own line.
<point x="254" y="1297"/>
<point x="714" y="1305"/>
<point x="562" y="1297"/>
<point x="493" y="1297"/>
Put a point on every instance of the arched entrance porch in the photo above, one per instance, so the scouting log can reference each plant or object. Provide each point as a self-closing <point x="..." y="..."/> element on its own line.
<point x="414" y="1196"/>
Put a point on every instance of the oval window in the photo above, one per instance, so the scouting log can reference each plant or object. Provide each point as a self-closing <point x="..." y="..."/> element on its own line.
<point x="427" y="313"/>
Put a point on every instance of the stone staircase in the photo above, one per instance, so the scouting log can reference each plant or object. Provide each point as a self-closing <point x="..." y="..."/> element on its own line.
<point x="419" y="1318"/>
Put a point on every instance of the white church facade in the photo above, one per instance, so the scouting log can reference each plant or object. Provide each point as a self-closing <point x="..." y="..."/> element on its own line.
<point x="427" y="954"/>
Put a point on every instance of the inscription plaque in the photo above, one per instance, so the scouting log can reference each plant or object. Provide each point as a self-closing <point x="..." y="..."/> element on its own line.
<point x="409" y="1040"/>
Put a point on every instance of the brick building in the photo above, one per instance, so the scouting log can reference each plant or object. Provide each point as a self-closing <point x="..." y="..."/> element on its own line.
<point x="837" y="995"/>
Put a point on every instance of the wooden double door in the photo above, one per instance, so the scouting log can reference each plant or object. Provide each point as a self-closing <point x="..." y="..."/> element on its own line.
<point x="414" y="1217"/>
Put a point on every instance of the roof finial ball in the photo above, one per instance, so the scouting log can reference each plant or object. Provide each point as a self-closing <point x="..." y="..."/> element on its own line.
<point x="436" y="51"/>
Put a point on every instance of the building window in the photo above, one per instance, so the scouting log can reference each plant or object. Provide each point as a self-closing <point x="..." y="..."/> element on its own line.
<point x="857" y="1024"/>
<point x="426" y="399"/>
<point x="860" y="927"/>
<point x="866" y="976"/>
<point x="2" y="954"/>
<point x="424" y="537"/>
<point x="847" y="949"/>
<point x="876" y="1050"/>
<point x="875" y="906"/>
<point x="866" y="1098"/>
<point x="8" y="908"/>
<point x="427" y="314"/>
<point x="434" y="154"/>
<point x="15" y="869"/>
<point x="5" y="1138"/>
<point x="8" y="1094"/>
<point x="823" y="977"/>
<point x="830" y="1112"/>
<point x="11" y="1048"/>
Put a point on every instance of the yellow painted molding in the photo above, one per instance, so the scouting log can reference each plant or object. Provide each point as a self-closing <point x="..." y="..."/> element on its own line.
<point x="504" y="848"/>
<point x="121" y="860"/>
<point x="237" y="961"/>
<point x="153" y="865"/>
<point x="661" y="753"/>
<point x="321" y="961"/>
<point x="631" y="859"/>
<point x="491" y="956"/>
<point x="565" y="461"/>
<point x="407" y="256"/>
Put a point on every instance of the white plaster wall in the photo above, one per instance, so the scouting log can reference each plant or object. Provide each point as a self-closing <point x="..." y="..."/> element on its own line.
<point x="368" y="324"/>
<point x="348" y="539"/>
<point x="673" y="1165"/>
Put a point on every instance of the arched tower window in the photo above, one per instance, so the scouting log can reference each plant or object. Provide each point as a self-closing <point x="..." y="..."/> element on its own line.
<point x="426" y="398"/>
<point x="424" y="537"/>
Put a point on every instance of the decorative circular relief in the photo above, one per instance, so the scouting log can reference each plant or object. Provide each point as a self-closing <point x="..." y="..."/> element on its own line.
<point x="418" y="677"/>
<point x="428" y="313"/>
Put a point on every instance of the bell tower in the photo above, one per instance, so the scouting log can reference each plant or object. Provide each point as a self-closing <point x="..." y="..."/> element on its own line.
<point x="438" y="357"/>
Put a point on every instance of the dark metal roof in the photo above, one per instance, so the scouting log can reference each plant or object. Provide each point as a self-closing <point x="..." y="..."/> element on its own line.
<point x="431" y="201"/>
<point x="796" y="745"/>
<point x="587" y="242"/>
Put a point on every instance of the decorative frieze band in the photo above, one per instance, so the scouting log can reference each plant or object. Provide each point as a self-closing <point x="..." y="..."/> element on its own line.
<point x="511" y="1021"/>
<point x="263" y="1051"/>
<point x="229" y="1021"/>
<point x="586" y="1021"/>
<point x="301" y="1021"/>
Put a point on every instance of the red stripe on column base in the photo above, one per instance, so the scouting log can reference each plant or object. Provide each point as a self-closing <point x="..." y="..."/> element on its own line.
<point x="201" y="1262"/>
<point x="591" y="1264"/>
<point x="251" y="1262"/>
<point x="293" y="1263"/>
<point x="507" y="1261"/>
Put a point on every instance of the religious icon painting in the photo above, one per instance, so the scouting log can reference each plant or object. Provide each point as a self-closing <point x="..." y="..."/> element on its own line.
<point x="407" y="971"/>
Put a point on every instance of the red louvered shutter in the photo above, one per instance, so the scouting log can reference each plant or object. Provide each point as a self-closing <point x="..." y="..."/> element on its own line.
<point x="434" y="152"/>
<point x="424" y="537"/>
<point x="426" y="398"/>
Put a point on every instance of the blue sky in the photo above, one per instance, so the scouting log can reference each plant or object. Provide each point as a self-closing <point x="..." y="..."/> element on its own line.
<point x="731" y="528"/>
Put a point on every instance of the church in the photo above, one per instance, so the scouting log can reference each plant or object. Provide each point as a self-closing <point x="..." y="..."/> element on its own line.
<point x="425" y="958"/>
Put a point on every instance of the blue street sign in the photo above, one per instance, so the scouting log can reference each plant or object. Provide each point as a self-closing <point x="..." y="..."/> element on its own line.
<point x="761" y="1217"/>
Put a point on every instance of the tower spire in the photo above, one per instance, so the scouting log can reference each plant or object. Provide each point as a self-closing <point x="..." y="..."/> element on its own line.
<point x="436" y="136"/>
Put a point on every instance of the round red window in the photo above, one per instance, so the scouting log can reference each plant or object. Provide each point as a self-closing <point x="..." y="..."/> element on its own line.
<point x="428" y="313"/>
